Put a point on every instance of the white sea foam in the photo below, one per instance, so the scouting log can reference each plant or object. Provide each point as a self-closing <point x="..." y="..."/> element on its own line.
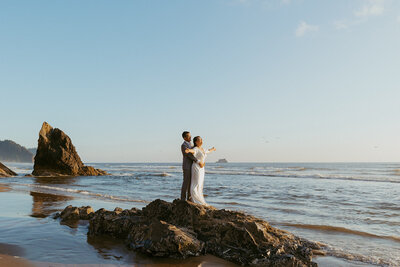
<point x="84" y="192"/>
<point x="315" y="176"/>
<point x="374" y="260"/>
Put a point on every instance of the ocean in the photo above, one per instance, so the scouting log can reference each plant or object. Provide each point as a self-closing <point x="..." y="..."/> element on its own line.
<point x="353" y="209"/>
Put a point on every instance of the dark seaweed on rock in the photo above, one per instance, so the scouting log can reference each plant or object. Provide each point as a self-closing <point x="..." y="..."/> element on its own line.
<point x="181" y="229"/>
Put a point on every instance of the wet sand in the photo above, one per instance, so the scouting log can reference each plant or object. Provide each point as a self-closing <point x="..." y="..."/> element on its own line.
<point x="329" y="261"/>
<point x="14" y="261"/>
<point x="30" y="237"/>
<point x="203" y="261"/>
<point x="4" y="188"/>
<point x="25" y="222"/>
<point x="10" y="256"/>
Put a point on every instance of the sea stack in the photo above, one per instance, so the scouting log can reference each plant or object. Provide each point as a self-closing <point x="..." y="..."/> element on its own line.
<point x="6" y="172"/>
<point x="56" y="156"/>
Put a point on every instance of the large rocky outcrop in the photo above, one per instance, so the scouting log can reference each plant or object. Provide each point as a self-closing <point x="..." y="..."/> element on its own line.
<point x="6" y="172"/>
<point x="56" y="155"/>
<point x="181" y="229"/>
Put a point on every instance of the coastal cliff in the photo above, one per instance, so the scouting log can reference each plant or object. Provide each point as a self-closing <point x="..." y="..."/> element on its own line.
<point x="181" y="229"/>
<point x="57" y="156"/>
<point x="13" y="152"/>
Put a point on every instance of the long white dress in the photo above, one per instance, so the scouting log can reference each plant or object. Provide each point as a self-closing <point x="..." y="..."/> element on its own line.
<point x="197" y="183"/>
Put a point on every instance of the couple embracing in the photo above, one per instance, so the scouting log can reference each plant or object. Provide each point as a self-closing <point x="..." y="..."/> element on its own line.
<point x="193" y="168"/>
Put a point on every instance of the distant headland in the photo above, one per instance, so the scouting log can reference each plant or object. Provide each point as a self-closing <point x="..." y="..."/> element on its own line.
<point x="13" y="152"/>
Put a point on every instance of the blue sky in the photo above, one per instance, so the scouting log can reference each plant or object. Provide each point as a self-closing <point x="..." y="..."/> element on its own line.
<point x="261" y="80"/>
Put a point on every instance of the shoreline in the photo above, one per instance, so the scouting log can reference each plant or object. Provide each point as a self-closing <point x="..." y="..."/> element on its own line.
<point x="11" y="255"/>
<point x="14" y="261"/>
<point x="204" y="261"/>
<point x="4" y="188"/>
<point x="24" y="199"/>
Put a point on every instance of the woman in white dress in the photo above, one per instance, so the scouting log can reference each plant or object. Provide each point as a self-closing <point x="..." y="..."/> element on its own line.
<point x="197" y="183"/>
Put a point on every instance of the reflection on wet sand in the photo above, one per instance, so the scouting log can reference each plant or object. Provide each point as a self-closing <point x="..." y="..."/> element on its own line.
<point x="4" y="188"/>
<point x="12" y="250"/>
<point x="200" y="261"/>
<point x="110" y="248"/>
<point x="45" y="204"/>
<point x="14" y="261"/>
<point x="10" y="256"/>
<point x="56" y="180"/>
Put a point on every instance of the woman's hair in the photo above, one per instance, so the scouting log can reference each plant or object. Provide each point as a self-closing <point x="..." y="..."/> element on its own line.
<point x="195" y="140"/>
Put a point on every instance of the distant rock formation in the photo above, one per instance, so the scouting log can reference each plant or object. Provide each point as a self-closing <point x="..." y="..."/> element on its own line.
<point x="56" y="156"/>
<point x="222" y="161"/>
<point x="181" y="229"/>
<point x="32" y="150"/>
<point x="6" y="172"/>
<point x="13" y="152"/>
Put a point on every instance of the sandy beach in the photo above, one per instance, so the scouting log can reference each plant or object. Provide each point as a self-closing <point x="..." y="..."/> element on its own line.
<point x="206" y="261"/>
<point x="14" y="261"/>
<point x="42" y="240"/>
<point x="10" y="256"/>
<point x="28" y="231"/>
<point x="31" y="238"/>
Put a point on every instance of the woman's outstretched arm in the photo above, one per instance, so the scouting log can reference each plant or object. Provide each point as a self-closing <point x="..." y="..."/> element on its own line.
<point x="188" y="150"/>
<point x="211" y="149"/>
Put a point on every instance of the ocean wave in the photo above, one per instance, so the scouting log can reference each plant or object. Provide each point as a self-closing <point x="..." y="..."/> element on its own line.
<point x="160" y="174"/>
<point x="84" y="192"/>
<point x="351" y="256"/>
<point x="297" y="168"/>
<point x="21" y="171"/>
<point x="228" y="203"/>
<point x="313" y="176"/>
<point x="371" y="260"/>
<point x="123" y="174"/>
<point x="150" y="174"/>
<point x="276" y="173"/>
<point x="164" y="174"/>
<point x="316" y="172"/>
<point x="386" y="206"/>
<point x="339" y="229"/>
<point x="136" y="166"/>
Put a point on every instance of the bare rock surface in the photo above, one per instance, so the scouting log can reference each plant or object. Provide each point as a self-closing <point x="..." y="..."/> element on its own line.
<point x="71" y="213"/>
<point x="57" y="156"/>
<point x="6" y="172"/>
<point x="181" y="229"/>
